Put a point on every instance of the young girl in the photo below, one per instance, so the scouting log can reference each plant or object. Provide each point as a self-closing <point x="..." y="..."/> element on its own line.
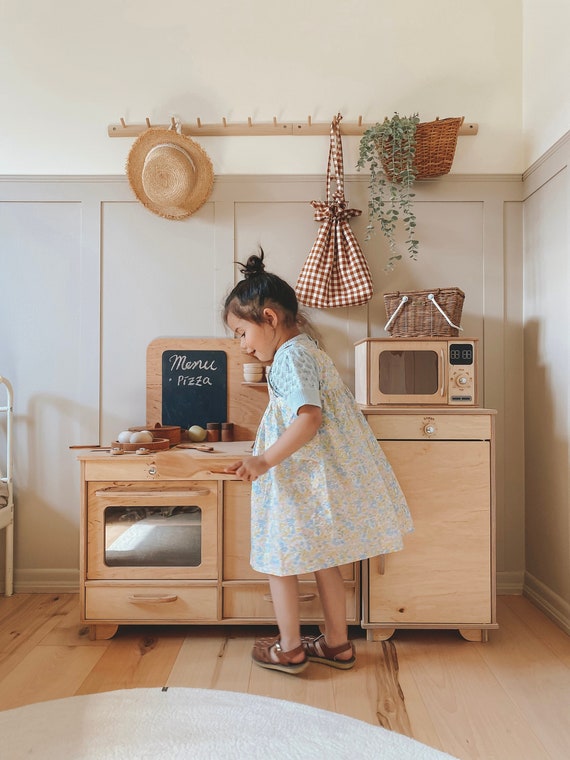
<point x="322" y="494"/>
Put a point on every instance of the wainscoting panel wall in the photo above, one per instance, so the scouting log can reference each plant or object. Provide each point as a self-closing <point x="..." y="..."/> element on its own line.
<point x="89" y="278"/>
<point x="547" y="397"/>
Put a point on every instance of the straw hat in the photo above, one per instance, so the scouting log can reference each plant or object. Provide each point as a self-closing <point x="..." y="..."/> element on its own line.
<point x="169" y="173"/>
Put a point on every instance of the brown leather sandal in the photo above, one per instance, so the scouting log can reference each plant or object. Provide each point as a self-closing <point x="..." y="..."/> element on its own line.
<point x="267" y="653"/>
<point x="317" y="650"/>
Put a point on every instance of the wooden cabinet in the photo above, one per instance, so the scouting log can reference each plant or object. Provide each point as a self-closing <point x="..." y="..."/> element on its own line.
<point x="245" y="592"/>
<point x="445" y="575"/>
<point x="165" y="538"/>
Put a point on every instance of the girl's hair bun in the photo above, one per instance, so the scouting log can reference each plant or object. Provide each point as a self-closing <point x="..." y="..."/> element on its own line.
<point x="254" y="265"/>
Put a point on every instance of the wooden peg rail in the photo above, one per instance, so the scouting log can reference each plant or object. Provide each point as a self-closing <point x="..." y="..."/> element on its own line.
<point x="250" y="129"/>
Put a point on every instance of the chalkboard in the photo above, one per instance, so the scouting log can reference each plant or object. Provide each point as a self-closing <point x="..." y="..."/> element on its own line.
<point x="194" y="387"/>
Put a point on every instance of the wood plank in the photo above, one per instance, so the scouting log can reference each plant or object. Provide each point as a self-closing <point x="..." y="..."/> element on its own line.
<point x="197" y="661"/>
<point x="474" y="717"/>
<point x="421" y="724"/>
<point x="69" y="631"/>
<point x="371" y="690"/>
<point x="26" y="625"/>
<point x="504" y="699"/>
<point x="137" y="658"/>
<point x="48" y="672"/>
<point x="545" y="629"/>
<point x="518" y="656"/>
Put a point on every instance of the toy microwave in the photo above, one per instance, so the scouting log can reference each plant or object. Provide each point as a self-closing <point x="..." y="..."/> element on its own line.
<point x="416" y="371"/>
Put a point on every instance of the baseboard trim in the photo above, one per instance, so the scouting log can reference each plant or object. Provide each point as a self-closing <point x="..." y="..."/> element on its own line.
<point x="549" y="602"/>
<point x="47" y="581"/>
<point x="510" y="582"/>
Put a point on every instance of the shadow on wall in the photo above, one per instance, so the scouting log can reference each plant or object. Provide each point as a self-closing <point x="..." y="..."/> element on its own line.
<point x="46" y="482"/>
<point x="546" y="464"/>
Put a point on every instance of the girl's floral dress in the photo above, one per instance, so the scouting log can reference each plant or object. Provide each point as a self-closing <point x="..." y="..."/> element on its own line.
<point x="334" y="501"/>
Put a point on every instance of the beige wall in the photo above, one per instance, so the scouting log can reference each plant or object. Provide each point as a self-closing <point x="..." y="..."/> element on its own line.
<point x="68" y="245"/>
<point x="97" y="277"/>
<point x="190" y="58"/>
<point x="546" y="63"/>
<point x="546" y="408"/>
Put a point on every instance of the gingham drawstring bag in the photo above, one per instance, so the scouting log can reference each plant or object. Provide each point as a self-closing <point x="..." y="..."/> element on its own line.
<point x="335" y="272"/>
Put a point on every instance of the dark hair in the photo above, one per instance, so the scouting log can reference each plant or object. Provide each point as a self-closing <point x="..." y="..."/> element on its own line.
<point x="260" y="289"/>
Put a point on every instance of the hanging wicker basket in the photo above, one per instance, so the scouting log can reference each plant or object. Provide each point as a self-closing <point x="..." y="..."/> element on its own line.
<point x="424" y="313"/>
<point x="436" y="142"/>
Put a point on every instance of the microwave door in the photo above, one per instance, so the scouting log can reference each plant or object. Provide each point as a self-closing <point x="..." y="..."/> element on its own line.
<point x="410" y="373"/>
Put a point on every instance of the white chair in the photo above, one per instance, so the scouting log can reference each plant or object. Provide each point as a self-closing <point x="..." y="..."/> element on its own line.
<point x="7" y="491"/>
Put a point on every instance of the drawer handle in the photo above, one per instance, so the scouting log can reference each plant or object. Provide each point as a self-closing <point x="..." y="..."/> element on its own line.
<point x="381" y="564"/>
<point x="302" y="597"/>
<point x="152" y="598"/>
<point x="121" y="492"/>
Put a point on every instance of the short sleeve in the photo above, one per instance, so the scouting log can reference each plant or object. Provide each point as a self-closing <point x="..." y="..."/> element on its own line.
<point x="298" y="379"/>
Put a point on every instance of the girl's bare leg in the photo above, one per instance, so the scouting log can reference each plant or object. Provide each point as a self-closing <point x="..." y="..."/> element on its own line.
<point x="285" y="595"/>
<point x="333" y="599"/>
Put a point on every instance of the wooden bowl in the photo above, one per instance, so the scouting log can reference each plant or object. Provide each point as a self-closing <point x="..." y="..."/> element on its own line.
<point x="172" y="432"/>
<point x="158" y="444"/>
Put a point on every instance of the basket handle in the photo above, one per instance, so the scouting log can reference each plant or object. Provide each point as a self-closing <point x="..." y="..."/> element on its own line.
<point x="431" y="298"/>
<point x="403" y="300"/>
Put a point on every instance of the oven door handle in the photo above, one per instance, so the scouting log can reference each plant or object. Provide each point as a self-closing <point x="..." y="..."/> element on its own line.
<point x="151" y="598"/>
<point x="116" y="492"/>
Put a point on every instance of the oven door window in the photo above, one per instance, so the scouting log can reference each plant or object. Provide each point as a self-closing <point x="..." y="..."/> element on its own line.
<point x="153" y="536"/>
<point x="408" y="373"/>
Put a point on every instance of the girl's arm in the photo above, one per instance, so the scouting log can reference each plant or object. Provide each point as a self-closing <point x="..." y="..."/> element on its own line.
<point x="300" y="432"/>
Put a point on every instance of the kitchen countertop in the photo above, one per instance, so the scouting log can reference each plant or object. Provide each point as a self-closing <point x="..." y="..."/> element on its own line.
<point x="174" y="462"/>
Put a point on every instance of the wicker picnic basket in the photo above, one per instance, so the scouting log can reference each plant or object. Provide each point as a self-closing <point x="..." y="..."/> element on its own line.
<point x="424" y="313"/>
<point x="436" y="142"/>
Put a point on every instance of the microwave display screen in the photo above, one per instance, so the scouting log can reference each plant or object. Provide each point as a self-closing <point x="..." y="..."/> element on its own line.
<point x="460" y="353"/>
<point x="409" y="372"/>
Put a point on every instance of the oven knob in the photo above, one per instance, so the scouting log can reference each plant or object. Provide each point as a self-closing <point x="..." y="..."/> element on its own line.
<point x="152" y="470"/>
<point x="429" y="429"/>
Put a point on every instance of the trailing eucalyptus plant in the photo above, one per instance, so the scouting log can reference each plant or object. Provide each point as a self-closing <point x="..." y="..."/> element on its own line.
<point x="388" y="150"/>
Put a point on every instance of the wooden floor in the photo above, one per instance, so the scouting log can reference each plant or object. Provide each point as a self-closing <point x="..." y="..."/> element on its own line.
<point x="507" y="699"/>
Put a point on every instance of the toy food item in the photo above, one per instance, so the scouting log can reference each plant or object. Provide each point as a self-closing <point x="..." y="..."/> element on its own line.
<point x="124" y="436"/>
<point x="197" y="433"/>
<point x="142" y="436"/>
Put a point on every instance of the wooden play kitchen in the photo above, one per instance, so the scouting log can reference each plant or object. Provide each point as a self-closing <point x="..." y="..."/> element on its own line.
<point x="165" y="536"/>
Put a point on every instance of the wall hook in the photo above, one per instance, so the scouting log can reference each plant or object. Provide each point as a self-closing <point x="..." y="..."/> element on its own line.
<point x="123" y="124"/>
<point x="199" y="123"/>
<point x="147" y="122"/>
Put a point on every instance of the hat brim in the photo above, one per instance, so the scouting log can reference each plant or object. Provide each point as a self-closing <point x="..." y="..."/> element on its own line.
<point x="203" y="172"/>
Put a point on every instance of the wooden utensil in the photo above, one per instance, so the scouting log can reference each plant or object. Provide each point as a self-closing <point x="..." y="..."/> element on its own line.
<point x="197" y="446"/>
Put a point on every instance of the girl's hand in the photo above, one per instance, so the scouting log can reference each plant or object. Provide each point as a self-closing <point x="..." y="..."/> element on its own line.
<point x="249" y="469"/>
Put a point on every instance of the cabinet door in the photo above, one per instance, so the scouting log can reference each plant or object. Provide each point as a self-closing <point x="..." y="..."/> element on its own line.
<point x="237" y="536"/>
<point x="443" y="574"/>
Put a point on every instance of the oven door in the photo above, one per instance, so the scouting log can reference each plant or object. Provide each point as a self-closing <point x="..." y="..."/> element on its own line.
<point x="408" y="373"/>
<point x="153" y="530"/>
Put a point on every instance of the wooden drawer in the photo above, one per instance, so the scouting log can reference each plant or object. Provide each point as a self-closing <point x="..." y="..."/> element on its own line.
<point x="430" y="426"/>
<point x="252" y="601"/>
<point x="151" y="603"/>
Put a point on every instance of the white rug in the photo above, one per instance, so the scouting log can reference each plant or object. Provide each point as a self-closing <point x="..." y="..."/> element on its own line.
<point x="201" y="724"/>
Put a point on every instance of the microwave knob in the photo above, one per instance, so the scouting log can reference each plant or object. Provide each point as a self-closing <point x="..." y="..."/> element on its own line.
<point x="429" y="429"/>
<point x="462" y="380"/>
